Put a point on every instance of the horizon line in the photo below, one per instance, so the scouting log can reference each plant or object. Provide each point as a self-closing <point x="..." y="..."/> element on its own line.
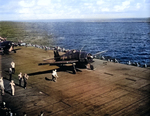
<point x="82" y="19"/>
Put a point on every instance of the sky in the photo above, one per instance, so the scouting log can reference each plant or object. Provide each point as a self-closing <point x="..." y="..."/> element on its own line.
<point x="73" y="9"/>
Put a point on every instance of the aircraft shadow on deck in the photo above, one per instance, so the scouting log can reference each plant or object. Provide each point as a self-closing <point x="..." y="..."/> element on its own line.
<point x="7" y="81"/>
<point x="7" y="85"/>
<point x="1" y="53"/>
<point x="68" y="69"/>
<point x="17" y="49"/>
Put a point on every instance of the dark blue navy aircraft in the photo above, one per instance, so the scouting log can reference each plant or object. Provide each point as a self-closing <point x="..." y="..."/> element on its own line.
<point x="74" y="57"/>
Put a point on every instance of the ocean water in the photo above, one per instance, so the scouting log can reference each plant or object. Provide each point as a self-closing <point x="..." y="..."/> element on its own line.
<point x="125" y="41"/>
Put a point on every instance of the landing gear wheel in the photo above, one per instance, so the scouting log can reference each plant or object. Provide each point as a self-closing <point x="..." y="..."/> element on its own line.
<point x="74" y="68"/>
<point x="91" y="67"/>
<point x="74" y="71"/>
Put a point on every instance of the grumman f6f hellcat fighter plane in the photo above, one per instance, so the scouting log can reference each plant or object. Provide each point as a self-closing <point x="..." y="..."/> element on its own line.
<point x="76" y="58"/>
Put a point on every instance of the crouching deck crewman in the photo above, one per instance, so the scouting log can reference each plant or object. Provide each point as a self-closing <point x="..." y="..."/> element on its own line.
<point x="54" y="76"/>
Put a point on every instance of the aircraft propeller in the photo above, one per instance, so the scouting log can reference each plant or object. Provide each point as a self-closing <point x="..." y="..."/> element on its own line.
<point x="100" y="52"/>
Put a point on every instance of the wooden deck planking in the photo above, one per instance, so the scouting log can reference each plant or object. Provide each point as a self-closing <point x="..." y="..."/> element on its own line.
<point x="111" y="89"/>
<point x="89" y="95"/>
<point x="139" y="84"/>
<point x="100" y="101"/>
<point x="137" y="108"/>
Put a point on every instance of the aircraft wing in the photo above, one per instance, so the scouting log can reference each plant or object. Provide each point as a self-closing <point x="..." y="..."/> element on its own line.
<point x="2" y="46"/>
<point x="48" y="59"/>
<point x="59" y="62"/>
<point x="63" y="62"/>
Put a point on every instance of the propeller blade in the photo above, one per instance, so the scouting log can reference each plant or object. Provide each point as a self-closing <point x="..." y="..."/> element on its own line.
<point x="100" y="52"/>
<point x="82" y="48"/>
<point x="48" y="59"/>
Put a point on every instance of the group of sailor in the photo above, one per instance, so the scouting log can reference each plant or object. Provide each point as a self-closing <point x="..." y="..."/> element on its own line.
<point x="46" y="47"/>
<point x="137" y="64"/>
<point x="102" y="57"/>
<point x="6" y="111"/>
<point x="12" y="84"/>
<point x="3" y="109"/>
<point x="128" y="63"/>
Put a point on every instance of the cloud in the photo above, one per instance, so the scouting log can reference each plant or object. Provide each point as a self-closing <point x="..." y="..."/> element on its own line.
<point x="100" y="2"/>
<point x="122" y="7"/>
<point x="27" y="3"/>
<point x="36" y="7"/>
<point x="105" y="10"/>
<point x="25" y="11"/>
<point x="147" y="1"/>
<point x="138" y="5"/>
<point x="88" y="4"/>
<point x="126" y="3"/>
<point x="44" y="2"/>
<point x="54" y="9"/>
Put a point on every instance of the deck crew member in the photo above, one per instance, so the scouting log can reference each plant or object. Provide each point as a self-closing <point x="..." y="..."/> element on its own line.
<point x="25" y="78"/>
<point x="2" y="85"/>
<point x="20" y="78"/>
<point x="12" y="84"/>
<point x="13" y="67"/>
<point x="10" y="74"/>
<point x="41" y="114"/>
<point x="54" y="76"/>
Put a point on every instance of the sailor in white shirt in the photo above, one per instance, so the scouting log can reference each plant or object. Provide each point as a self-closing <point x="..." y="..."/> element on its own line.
<point x="13" y="67"/>
<point x="54" y="76"/>
<point x="10" y="74"/>
<point x="12" y="84"/>
<point x="2" y="85"/>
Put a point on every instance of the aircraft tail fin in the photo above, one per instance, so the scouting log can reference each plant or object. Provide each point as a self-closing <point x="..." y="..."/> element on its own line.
<point x="56" y="55"/>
